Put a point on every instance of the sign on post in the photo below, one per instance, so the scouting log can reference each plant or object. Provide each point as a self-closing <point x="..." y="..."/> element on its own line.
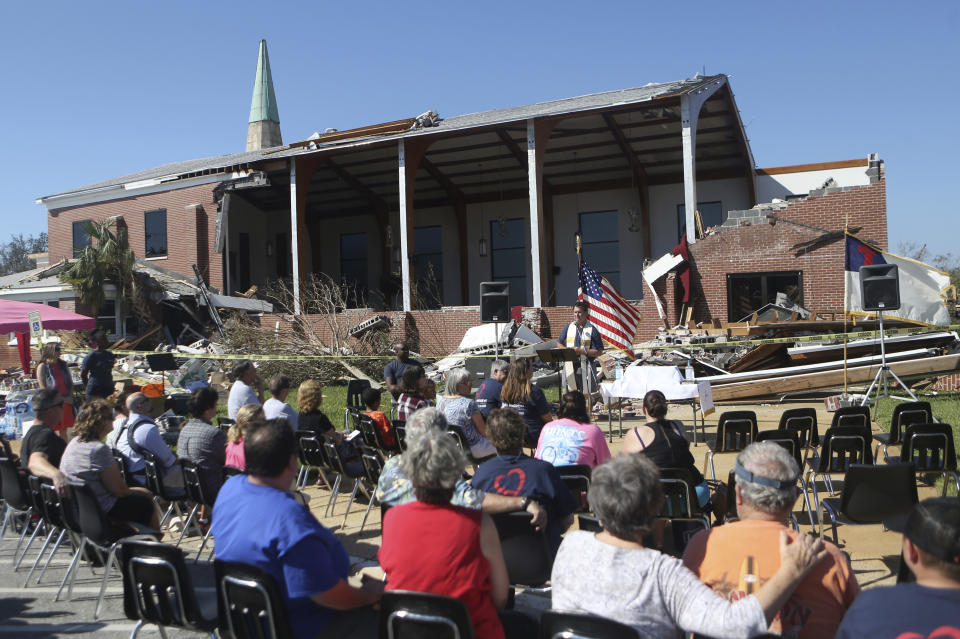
<point x="36" y="326"/>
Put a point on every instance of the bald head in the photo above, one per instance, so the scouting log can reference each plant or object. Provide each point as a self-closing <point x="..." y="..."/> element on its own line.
<point x="139" y="403"/>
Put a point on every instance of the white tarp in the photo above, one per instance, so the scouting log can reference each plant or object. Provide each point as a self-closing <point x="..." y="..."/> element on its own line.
<point x="637" y="380"/>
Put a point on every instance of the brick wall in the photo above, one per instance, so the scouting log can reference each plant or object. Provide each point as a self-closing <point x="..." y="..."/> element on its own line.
<point x="766" y="244"/>
<point x="190" y="232"/>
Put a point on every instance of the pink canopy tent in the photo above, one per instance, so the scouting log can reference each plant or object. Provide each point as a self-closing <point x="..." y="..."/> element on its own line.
<point x="13" y="319"/>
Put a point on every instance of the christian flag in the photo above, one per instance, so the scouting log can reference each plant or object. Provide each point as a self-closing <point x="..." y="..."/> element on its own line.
<point x="614" y="318"/>
<point x="922" y="287"/>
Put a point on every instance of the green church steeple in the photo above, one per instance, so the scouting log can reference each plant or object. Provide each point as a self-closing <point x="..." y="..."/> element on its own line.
<point x="263" y="129"/>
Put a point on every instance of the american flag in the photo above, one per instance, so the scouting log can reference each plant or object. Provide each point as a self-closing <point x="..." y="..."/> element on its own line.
<point x="616" y="320"/>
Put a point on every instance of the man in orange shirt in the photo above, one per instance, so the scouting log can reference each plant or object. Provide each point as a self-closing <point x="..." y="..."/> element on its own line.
<point x="737" y="558"/>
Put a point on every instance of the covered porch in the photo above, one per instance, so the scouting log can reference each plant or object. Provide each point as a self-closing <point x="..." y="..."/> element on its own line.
<point x="416" y="213"/>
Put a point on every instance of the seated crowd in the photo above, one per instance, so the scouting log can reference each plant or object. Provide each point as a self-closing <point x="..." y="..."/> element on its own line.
<point x="741" y="579"/>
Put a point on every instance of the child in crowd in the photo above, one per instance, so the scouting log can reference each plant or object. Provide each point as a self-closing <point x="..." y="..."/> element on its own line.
<point x="371" y="399"/>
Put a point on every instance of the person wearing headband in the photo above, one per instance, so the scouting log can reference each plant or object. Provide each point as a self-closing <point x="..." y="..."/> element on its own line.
<point x="737" y="558"/>
<point x="931" y="606"/>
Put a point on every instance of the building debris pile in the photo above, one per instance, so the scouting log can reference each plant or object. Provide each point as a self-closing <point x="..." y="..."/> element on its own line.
<point x="810" y="356"/>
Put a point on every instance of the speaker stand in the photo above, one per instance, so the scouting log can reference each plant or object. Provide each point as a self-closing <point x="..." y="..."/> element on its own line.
<point x="880" y="379"/>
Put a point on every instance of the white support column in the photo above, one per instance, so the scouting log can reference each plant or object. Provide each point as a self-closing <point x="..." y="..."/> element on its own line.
<point x="404" y="240"/>
<point x="536" y="205"/>
<point x="294" y="237"/>
<point x="690" y="105"/>
<point x="688" y="123"/>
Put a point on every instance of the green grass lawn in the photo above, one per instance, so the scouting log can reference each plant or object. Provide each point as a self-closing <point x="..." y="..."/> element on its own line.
<point x="334" y="402"/>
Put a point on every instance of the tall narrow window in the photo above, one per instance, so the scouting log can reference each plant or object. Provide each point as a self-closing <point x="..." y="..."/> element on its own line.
<point x="508" y="256"/>
<point x="600" y="244"/>
<point x="243" y="239"/>
<point x="81" y="239"/>
<point x="748" y="292"/>
<point x="353" y="266"/>
<point x="155" y="233"/>
<point x="711" y="214"/>
<point x="428" y="265"/>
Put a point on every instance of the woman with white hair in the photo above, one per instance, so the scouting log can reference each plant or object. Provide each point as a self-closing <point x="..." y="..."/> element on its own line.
<point x="613" y="575"/>
<point x="458" y="552"/>
<point x="462" y="412"/>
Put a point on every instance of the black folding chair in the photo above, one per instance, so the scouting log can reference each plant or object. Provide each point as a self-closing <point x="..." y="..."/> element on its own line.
<point x="122" y="465"/>
<point x="193" y="485"/>
<point x="576" y="477"/>
<point x="526" y="550"/>
<point x="851" y="416"/>
<point x="54" y="515"/>
<point x="400" y="429"/>
<point x="415" y="615"/>
<point x="588" y="522"/>
<point x="156" y="485"/>
<point x="372" y="467"/>
<point x="680" y="496"/>
<point x="100" y="536"/>
<point x="158" y="589"/>
<point x="16" y="499"/>
<point x="872" y="495"/>
<point x="355" y="388"/>
<point x="249" y="603"/>
<point x="332" y="453"/>
<point x="41" y="524"/>
<point x="803" y="422"/>
<point x="931" y="449"/>
<point x="736" y="429"/>
<point x="904" y="414"/>
<point x="310" y="451"/>
<point x="841" y="447"/>
<point x="556" y="624"/>
<point x="224" y="423"/>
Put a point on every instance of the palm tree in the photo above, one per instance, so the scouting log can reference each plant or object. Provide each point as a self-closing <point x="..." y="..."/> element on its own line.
<point x="108" y="259"/>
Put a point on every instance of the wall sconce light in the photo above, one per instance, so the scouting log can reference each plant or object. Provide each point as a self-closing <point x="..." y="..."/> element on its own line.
<point x="483" y="247"/>
<point x="269" y="248"/>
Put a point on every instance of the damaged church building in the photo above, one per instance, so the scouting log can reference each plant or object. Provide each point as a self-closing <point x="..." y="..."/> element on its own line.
<point x="415" y="213"/>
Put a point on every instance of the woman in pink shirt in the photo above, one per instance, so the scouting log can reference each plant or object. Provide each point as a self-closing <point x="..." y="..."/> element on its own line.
<point x="245" y="416"/>
<point x="572" y="439"/>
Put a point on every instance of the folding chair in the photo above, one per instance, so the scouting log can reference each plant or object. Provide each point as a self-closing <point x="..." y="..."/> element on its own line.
<point x="311" y="455"/>
<point x="930" y="447"/>
<point x="400" y="428"/>
<point x="576" y="477"/>
<point x="851" y="416"/>
<point x="41" y="524"/>
<point x="355" y="388"/>
<point x="193" y="485"/>
<point x="53" y="515"/>
<point x="803" y="422"/>
<point x="372" y="467"/>
<point x="680" y="497"/>
<point x="156" y="485"/>
<point x="872" y="495"/>
<point x="735" y="430"/>
<point x="16" y="500"/>
<point x="158" y="589"/>
<point x="414" y="615"/>
<point x="556" y="624"/>
<point x="526" y="550"/>
<point x="249" y="603"/>
<point x="332" y="454"/>
<point x="904" y="414"/>
<point x="100" y="535"/>
<point x="841" y="447"/>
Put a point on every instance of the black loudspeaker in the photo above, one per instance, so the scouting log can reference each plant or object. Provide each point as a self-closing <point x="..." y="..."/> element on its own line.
<point x="494" y="301"/>
<point x="880" y="287"/>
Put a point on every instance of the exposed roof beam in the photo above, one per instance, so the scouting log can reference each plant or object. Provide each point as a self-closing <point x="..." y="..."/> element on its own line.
<point x="369" y="194"/>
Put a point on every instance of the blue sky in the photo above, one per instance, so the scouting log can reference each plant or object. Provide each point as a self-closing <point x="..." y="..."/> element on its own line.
<point x="95" y="90"/>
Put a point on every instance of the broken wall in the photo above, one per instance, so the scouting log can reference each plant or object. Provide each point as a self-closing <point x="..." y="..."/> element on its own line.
<point x="762" y="244"/>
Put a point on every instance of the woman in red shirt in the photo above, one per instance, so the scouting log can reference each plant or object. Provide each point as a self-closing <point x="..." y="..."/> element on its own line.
<point x="458" y="551"/>
<point x="52" y="372"/>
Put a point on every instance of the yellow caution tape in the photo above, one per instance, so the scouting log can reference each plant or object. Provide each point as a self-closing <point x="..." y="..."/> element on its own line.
<point x="639" y="347"/>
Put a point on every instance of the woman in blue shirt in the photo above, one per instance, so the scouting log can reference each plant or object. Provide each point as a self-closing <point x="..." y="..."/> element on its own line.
<point x="525" y="398"/>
